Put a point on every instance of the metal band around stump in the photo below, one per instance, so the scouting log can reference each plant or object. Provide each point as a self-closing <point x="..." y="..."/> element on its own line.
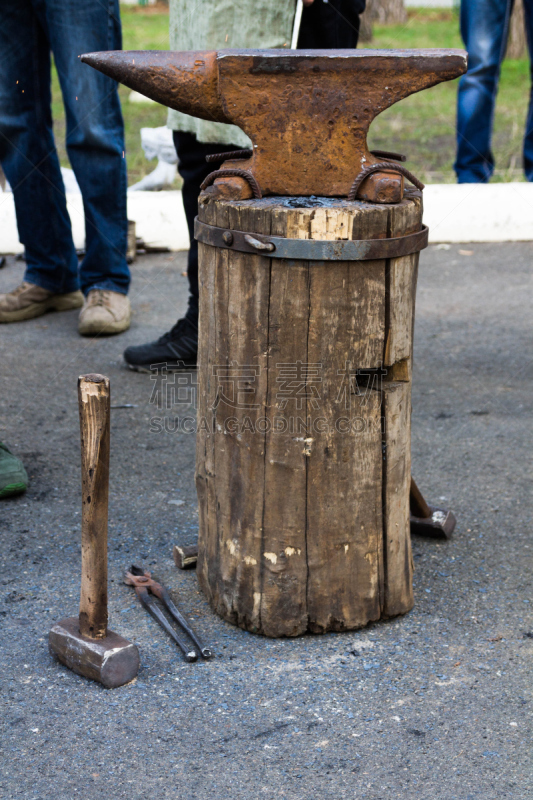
<point x="311" y="249"/>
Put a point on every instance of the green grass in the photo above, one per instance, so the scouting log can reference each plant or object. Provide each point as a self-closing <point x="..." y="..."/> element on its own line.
<point x="422" y="126"/>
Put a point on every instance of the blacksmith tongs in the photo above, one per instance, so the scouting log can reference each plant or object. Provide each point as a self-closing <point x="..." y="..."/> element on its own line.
<point x="146" y="589"/>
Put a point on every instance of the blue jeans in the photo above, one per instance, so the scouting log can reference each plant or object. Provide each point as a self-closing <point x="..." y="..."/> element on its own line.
<point x="484" y="28"/>
<point x="29" y="30"/>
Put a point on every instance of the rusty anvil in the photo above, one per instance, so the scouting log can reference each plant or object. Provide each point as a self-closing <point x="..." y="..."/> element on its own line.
<point x="307" y="112"/>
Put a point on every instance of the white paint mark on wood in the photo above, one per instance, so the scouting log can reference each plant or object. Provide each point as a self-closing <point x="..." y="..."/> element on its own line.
<point x="232" y="545"/>
<point x="308" y="446"/>
<point x="250" y="560"/>
<point x="290" y="551"/>
<point x="257" y="605"/>
<point x="271" y="557"/>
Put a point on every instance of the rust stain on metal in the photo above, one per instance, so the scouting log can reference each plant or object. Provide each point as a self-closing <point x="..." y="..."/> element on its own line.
<point x="216" y="158"/>
<point x="235" y="173"/>
<point x="306" y="112"/>
<point x="382" y="166"/>
<point x="388" y="155"/>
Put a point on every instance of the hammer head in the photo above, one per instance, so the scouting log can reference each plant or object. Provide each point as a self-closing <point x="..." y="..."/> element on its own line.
<point x="307" y="112"/>
<point x="440" y="525"/>
<point x="112" y="660"/>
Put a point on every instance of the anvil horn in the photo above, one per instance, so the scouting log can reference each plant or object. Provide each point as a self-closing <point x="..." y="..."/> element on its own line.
<point x="187" y="81"/>
<point x="307" y="112"/>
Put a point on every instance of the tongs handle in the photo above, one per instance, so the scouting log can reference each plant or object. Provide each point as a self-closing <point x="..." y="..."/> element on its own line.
<point x="152" y="608"/>
<point x="164" y="595"/>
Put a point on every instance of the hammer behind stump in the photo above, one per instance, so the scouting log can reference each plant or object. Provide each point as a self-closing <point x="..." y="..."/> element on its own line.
<point x="84" y="644"/>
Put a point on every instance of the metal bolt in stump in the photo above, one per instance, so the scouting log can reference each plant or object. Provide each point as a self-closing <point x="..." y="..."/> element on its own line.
<point x="306" y="331"/>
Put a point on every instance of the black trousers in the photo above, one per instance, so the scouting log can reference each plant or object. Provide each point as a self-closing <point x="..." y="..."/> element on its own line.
<point x="194" y="169"/>
<point x="333" y="25"/>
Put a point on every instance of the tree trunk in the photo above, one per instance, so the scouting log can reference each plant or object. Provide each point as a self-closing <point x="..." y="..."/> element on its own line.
<point x="387" y="12"/>
<point x="516" y="43"/>
<point x="303" y="482"/>
<point x="384" y="12"/>
<point x="365" y="27"/>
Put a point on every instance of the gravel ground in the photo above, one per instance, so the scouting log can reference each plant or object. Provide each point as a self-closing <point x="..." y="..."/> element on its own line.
<point x="434" y="706"/>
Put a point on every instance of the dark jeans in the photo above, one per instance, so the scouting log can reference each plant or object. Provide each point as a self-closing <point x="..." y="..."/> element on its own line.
<point x="484" y="28"/>
<point x="29" y="30"/>
<point x="323" y="28"/>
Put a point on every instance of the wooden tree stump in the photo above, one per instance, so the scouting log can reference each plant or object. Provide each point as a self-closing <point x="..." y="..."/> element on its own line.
<point x="303" y="465"/>
<point x="517" y="40"/>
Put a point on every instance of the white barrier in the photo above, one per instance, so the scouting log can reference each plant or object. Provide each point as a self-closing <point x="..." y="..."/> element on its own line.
<point x="479" y="212"/>
<point x="470" y="212"/>
<point x="159" y="217"/>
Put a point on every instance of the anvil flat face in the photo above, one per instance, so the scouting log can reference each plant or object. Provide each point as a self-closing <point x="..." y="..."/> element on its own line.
<point x="307" y="112"/>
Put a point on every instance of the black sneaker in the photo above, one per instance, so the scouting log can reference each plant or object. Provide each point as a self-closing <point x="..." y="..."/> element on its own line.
<point x="175" y="350"/>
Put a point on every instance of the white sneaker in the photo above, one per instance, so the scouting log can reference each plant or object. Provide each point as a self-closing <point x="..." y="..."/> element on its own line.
<point x="104" y="312"/>
<point x="28" y="301"/>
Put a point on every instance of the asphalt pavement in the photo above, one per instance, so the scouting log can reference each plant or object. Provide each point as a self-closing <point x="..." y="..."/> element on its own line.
<point x="435" y="705"/>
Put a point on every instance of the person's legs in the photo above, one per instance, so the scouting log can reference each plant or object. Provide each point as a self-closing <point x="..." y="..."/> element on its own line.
<point x="178" y="347"/>
<point x="194" y="169"/>
<point x="484" y="28"/>
<point x="95" y="134"/>
<point x="528" y="136"/>
<point x="27" y="150"/>
<point x="331" y="25"/>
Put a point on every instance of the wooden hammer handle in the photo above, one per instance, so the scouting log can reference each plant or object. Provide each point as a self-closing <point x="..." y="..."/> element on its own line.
<point x="418" y="506"/>
<point x="94" y="404"/>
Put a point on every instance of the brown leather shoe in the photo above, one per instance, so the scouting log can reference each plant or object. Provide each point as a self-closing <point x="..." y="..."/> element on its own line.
<point x="104" y="312"/>
<point x="28" y="301"/>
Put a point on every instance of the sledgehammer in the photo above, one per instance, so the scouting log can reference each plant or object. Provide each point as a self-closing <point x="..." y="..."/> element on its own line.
<point x="84" y="643"/>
